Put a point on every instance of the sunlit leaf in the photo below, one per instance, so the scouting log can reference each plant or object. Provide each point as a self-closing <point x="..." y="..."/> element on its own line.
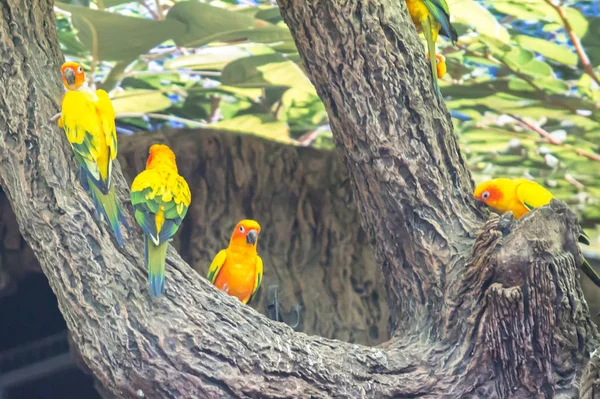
<point x="103" y="32"/>
<point x="140" y="101"/>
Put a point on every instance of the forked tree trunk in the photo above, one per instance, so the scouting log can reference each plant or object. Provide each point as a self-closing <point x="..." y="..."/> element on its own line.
<point x="493" y="314"/>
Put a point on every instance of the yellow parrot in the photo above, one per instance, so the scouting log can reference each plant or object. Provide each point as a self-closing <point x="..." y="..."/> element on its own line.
<point x="88" y="119"/>
<point x="160" y="199"/>
<point x="432" y="17"/>
<point x="238" y="269"/>
<point x="521" y="196"/>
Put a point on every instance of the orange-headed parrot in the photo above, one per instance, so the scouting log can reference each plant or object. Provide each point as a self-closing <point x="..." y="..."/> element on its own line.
<point x="432" y="17"/>
<point x="521" y="196"/>
<point x="160" y="198"/>
<point x="88" y="119"/>
<point x="238" y="269"/>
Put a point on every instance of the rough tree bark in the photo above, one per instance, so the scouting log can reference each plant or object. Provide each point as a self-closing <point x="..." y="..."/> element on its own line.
<point x="313" y="251"/>
<point x="495" y="314"/>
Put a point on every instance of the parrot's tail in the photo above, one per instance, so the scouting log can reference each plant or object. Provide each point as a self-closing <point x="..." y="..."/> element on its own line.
<point x="584" y="238"/>
<point x="108" y="206"/>
<point x="155" y="259"/>
<point x="590" y="272"/>
<point x="427" y="31"/>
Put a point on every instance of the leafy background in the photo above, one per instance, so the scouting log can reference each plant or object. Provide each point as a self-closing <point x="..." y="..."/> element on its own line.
<point x="522" y="83"/>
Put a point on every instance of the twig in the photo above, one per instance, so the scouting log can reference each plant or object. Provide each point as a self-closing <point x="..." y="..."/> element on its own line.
<point x="536" y="129"/>
<point x="568" y="177"/>
<point x="171" y="118"/>
<point x="551" y="140"/>
<point x="530" y="81"/>
<point x="149" y="9"/>
<point x="159" y="10"/>
<point x="585" y="60"/>
<point x="215" y="111"/>
<point x="307" y="138"/>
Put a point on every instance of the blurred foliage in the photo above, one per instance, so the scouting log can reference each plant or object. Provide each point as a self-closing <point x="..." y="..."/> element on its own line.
<point x="522" y="100"/>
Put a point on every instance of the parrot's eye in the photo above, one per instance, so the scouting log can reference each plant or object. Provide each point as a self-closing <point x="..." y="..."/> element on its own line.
<point x="79" y="69"/>
<point x="242" y="229"/>
<point x="485" y="195"/>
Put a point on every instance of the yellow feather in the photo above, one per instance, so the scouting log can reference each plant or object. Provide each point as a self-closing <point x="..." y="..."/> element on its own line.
<point x="81" y="117"/>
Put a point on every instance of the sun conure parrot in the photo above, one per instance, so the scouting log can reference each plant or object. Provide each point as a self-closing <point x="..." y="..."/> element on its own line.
<point x="238" y="269"/>
<point x="88" y="119"/>
<point x="521" y="196"/>
<point x="432" y="17"/>
<point x="160" y="199"/>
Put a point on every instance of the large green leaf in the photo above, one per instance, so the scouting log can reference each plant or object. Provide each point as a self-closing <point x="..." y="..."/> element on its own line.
<point x="266" y="70"/>
<point x="548" y="49"/>
<point x="206" y="24"/>
<point x="539" y="10"/>
<point x="474" y="14"/>
<point x="215" y="58"/>
<point x="140" y="101"/>
<point x="591" y="41"/>
<point x="261" y="125"/>
<point x="111" y="36"/>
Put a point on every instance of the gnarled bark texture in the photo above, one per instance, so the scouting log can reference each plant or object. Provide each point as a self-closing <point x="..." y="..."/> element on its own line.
<point x="489" y="315"/>
<point x="311" y="244"/>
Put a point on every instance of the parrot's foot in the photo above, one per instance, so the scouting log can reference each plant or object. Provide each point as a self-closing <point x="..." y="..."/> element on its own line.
<point x="291" y="318"/>
<point x="225" y="289"/>
<point x="58" y="118"/>
<point x="441" y="65"/>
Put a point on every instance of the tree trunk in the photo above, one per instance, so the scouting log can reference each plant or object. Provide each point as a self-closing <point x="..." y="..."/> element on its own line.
<point x="327" y="266"/>
<point x="495" y="313"/>
<point x="311" y="243"/>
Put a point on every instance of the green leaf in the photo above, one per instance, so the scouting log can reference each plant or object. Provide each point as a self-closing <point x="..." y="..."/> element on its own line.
<point x="474" y="14"/>
<point x="206" y="24"/>
<point x="550" y="85"/>
<point x="548" y="49"/>
<point x="103" y="33"/>
<point x="266" y="70"/>
<point x="260" y="125"/>
<point x="539" y="10"/>
<point x="591" y="41"/>
<point x="142" y="101"/>
<point x="215" y="58"/>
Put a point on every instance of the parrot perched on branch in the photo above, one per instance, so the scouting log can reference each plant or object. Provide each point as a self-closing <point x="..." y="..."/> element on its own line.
<point x="432" y="17"/>
<point x="88" y="119"/>
<point x="160" y="199"/>
<point x="521" y="196"/>
<point x="238" y="269"/>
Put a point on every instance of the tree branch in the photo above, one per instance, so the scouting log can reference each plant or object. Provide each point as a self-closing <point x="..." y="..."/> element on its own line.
<point x="498" y="315"/>
<point x="413" y="190"/>
<point x="585" y="60"/>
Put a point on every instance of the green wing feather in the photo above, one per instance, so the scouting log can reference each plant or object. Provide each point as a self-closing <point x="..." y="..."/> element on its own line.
<point x="147" y="204"/>
<point x="427" y="31"/>
<point x="441" y="13"/>
<point x="216" y="265"/>
<point x="258" y="279"/>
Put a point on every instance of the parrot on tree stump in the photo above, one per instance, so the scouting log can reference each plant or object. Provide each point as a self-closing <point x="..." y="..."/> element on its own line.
<point x="238" y="269"/>
<point x="160" y="199"/>
<point x="520" y="196"/>
<point x="432" y="17"/>
<point x="88" y="119"/>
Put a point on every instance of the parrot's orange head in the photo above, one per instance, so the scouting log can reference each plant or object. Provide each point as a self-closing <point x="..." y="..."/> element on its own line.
<point x="73" y="76"/>
<point x="160" y="153"/>
<point x="246" y="233"/>
<point x="490" y="193"/>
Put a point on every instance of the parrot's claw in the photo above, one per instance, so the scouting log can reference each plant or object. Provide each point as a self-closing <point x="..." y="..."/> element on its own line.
<point x="225" y="289"/>
<point x="291" y="318"/>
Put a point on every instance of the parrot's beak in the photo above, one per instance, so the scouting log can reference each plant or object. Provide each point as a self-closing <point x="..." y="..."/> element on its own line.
<point x="70" y="78"/>
<point x="251" y="237"/>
